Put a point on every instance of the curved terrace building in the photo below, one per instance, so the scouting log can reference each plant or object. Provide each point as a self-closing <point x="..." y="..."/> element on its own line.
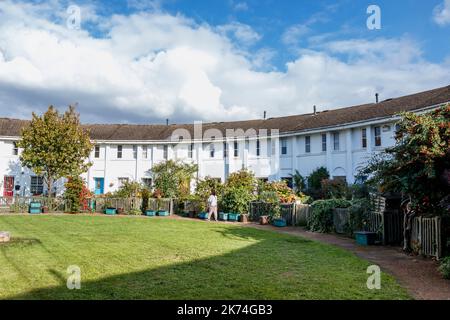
<point x="341" y="140"/>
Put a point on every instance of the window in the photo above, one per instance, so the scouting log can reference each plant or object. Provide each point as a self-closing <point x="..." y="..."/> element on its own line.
<point x="147" y="182"/>
<point x="37" y="186"/>
<point x="191" y="151"/>
<point x="97" y="152"/>
<point x="236" y="149"/>
<point x="166" y="152"/>
<point x="119" y="152"/>
<point x="308" y="144"/>
<point x="15" y="149"/>
<point x="225" y="150"/>
<point x="284" y="148"/>
<point x="324" y="143"/>
<point x="377" y="136"/>
<point x="123" y="181"/>
<point x="336" y="141"/>
<point x="258" y="147"/>
<point x="212" y="150"/>
<point x="364" y="138"/>
<point x="135" y="150"/>
<point x="145" y="152"/>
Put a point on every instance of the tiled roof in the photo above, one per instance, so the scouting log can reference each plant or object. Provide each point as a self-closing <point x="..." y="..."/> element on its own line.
<point x="366" y="112"/>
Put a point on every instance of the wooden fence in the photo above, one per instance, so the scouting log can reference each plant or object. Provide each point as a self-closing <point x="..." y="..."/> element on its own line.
<point x="426" y="236"/>
<point x="294" y="213"/>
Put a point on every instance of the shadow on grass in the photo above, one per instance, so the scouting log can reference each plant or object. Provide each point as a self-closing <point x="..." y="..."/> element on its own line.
<point x="272" y="267"/>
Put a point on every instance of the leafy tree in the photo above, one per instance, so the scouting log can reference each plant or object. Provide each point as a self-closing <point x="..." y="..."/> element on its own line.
<point x="299" y="182"/>
<point x="243" y="178"/>
<point x="55" y="146"/>
<point x="205" y="187"/>
<point x="418" y="165"/>
<point x="172" y="178"/>
<point x="315" y="182"/>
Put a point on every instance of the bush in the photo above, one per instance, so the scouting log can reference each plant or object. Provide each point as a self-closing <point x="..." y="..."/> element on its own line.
<point x="236" y="200"/>
<point x="203" y="191"/>
<point x="444" y="267"/>
<point x="271" y="197"/>
<point x="128" y="190"/>
<point x="315" y="182"/>
<point x="76" y="193"/>
<point x="358" y="215"/>
<point x="281" y="190"/>
<point x="335" y="189"/>
<point x="321" y="218"/>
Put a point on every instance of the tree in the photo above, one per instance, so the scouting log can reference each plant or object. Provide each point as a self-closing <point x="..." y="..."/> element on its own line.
<point x="299" y="182"/>
<point x="315" y="182"/>
<point x="173" y="178"/>
<point x="55" y="146"/>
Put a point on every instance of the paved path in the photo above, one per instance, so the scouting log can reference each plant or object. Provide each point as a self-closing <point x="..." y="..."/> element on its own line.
<point x="418" y="275"/>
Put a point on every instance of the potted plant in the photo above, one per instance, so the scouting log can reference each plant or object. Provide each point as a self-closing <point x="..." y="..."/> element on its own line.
<point x="203" y="215"/>
<point x="223" y="216"/>
<point x="150" y="213"/>
<point x="233" y="217"/>
<point x="110" y="211"/>
<point x="120" y="211"/>
<point x="244" y="218"/>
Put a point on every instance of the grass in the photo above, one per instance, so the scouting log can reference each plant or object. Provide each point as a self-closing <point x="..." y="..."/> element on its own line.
<point x="146" y="258"/>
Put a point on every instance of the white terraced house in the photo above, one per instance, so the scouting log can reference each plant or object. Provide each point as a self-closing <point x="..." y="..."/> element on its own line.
<point x="341" y="140"/>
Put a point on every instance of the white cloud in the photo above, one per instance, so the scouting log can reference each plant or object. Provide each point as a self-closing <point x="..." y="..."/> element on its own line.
<point x="152" y="66"/>
<point x="294" y="34"/>
<point x="441" y="13"/>
<point x="240" y="6"/>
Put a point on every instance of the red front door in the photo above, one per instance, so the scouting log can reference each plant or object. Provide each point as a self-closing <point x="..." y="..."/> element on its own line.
<point x="8" y="186"/>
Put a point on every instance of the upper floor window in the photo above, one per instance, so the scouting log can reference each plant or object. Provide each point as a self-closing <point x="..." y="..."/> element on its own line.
<point x="307" y="144"/>
<point x="191" y="151"/>
<point x="166" y="152"/>
<point x="284" y="147"/>
<point x="97" y="152"/>
<point x="324" y="142"/>
<point x="15" y="149"/>
<point x="364" y="138"/>
<point x="258" y="147"/>
<point x="135" y="151"/>
<point x="336" y="145"/>
<point x="377" y="134"/>
<point x="236" y="149"/>
<point x="145" y="152"/>
<point x="119" y="152"/>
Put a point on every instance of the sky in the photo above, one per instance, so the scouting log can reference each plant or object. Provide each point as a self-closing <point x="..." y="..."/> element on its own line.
<point x="137" y="61"/>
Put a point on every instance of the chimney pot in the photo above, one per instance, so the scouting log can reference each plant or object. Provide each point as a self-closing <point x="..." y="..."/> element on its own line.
<point x="376" y="97"/>
<point x="315" y="110"/>
<point x="167" y="122"/>
<point x="265" y="114"/>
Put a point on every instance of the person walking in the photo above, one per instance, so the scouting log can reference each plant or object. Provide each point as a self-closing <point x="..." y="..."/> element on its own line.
<point x="212" y="206"/>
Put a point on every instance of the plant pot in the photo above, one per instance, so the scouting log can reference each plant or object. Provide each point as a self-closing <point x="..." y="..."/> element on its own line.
<point x="243" y="218"/>
<point x="120" y="211"/>
<point x="280" y="223"/>
<point x="264" y="220"/>
<point x="163" y="213"/>
<point x="223" y="216"/>
<point x="365" y="238"/>
<point x="45" y="209"/>
<point x="111" y="211"/>
<point x="203" y="215"/>
<point x="150" y="213"/>
<point x="233" y="217"/>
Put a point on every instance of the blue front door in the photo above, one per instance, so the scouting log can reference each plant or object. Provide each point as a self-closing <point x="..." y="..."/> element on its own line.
<point x="99" y="185"/>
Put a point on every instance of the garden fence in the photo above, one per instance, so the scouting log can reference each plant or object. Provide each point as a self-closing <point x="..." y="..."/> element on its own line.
<point x="293" y="213"/>
<point x="426" y="236"/>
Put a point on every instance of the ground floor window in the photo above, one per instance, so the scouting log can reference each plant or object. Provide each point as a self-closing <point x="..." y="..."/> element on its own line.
<point x="37" y="186"/>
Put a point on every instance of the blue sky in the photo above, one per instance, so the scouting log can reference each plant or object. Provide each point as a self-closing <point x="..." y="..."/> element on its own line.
<point x="145" y="61"/>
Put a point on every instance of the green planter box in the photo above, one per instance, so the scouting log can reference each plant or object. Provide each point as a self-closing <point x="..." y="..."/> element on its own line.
<point x="203" y="215"/>
<point x="150" y="213"/>
<point x="35" y="205"/>
<point x="280" y="223"/>
<point x="233" y="217"/>
<point x="223" y="216"/>
<point x="163" y="213"/>
<point x="365" y="238"/>
<point x="111" y="211"/>
<point x="35" y="211"/>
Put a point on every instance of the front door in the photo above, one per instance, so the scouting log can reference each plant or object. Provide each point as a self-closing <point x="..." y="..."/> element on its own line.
<point x="8" y="186"/>
<point x="99" y="185"/>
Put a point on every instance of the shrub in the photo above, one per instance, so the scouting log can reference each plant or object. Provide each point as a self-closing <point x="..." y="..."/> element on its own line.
<point x="271" y="198"/>
<point x="358" y="215"/>
<point x="335" y="189"/>
<point x="315" y="182"/>
<point x="444" y="267"/>
<point x="299" y="182"/>
<point x="236" y="199"/>
<point x="203" y="191"/>
<point x="129" y="190"/>
<point x="146" y="194"/>
<point x="281" y="190"/>
<point x="244" y="178"/>
<point x="172" y="178"/>
<point x="76" y="193"/>
<point x="135" y="212"/>
<point x="321" y="218"/>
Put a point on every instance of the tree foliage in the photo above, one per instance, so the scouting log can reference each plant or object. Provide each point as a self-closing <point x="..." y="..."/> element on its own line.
<point x="418" y="166"/>
<point x="172" y="178"/>
<point x="55" y="145"/>
<point x="299" y="182"/>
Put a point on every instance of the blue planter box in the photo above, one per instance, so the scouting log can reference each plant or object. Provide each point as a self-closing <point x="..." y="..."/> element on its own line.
<point x="110" y="211"/>
<point x="35" y="205"/>
<point x="280" y="223"/>
<point x="364" y="238"/>
<point x="163" y="213"/>
<point x="150" y="213"/>
<point x="234" y="217"/>
<point x="223" y="216"/>
<point x="203" y="216"/>
<point x="35" y="211"/>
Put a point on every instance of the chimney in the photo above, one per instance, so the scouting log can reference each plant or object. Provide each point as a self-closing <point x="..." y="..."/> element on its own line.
<point x="315" y="110"/>
<point x="167" y="122"/>
<point x="265" y="114"/>
<point x="376" y="97"/>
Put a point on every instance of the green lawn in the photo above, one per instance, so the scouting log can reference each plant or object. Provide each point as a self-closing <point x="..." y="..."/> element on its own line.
<point x="147" y="258"/>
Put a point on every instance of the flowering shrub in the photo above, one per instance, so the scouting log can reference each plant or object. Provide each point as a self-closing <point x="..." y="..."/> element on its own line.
<point x="281" y="189"/>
